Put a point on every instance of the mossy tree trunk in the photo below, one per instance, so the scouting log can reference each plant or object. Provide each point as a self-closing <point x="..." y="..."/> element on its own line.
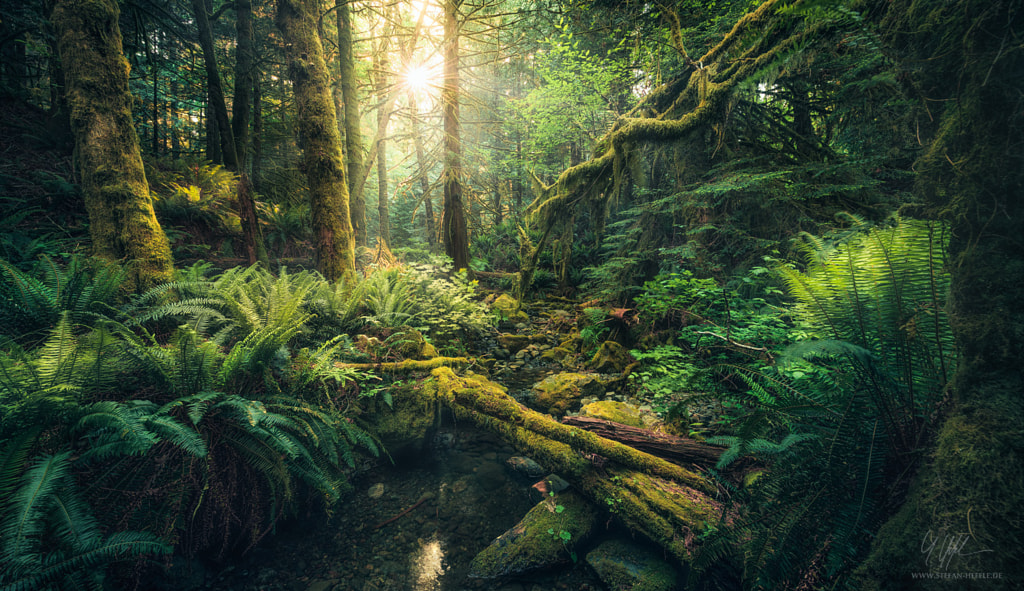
<point x="422" y="171"/>
<point x="968" y="61"/>
<point x="353" y="129"/>
<point x="454" y="232"/>
<point x="317" y="125"/>
<point x="122" y="223"/>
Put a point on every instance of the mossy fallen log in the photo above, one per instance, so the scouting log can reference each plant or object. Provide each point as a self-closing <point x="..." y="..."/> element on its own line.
<point x="670" y="447"/>
<point x="410" y="365"/>
<point x="668" y="503"/>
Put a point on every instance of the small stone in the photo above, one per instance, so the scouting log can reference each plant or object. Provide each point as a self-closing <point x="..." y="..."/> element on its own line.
<point x="375" y="491"/>
<point x="524" y="466"/>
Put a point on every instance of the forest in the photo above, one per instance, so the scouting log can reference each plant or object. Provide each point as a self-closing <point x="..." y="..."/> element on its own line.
<point x="515" y="295"/>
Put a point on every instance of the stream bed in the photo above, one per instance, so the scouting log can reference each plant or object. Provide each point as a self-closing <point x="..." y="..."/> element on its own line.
<point x="462" y="496"/>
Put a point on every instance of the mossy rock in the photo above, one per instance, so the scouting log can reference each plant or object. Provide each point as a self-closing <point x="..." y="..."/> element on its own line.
<point x="555" y="354"/>
<point x="404" y="428"/>
<point x="517" y="342"/>
<point x="617" y="412"/>
<point x="547" y="536"/>
<point x="611" y="357"/>
<point x="505" y="306"/>
<point x="624" y="566"/>
<point x="408" y="343"/>
<point x="562" y="392"/>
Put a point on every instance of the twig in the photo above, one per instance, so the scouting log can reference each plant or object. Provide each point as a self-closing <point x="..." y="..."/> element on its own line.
<point x="422" y="500"/>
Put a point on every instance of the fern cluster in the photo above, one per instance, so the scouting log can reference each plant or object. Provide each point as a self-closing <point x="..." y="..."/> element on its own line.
<point x="185" y="411"/>
<point x="840" y="417"/>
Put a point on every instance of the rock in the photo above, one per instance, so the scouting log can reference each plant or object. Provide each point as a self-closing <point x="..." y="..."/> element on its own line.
<point x="490" y="475"/>
<point x="625" y="566"/>
<point x="552" y="483"/>
<point x="525" y="466"/>
<point x="617" y="412"/>
<point x="562" y="392"/>
<point x="555" y="354"/>
<point x="404" y="427"/>
<point x="321" y="585"/>
<point x="611" y="357"/>
<point x="513" y="343"/>
<point x="375" y="491"/>
<point x="505" y="306"/>
<point x="547" y="536"/>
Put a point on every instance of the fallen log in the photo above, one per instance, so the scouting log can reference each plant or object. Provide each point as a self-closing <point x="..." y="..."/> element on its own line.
<point x="681" y="450"/>
<point x="409" y="365"/>
<point x="670" y="504"/>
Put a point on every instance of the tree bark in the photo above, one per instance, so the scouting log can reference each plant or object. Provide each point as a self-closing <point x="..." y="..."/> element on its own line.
<point x="122" y="223"/>
<point x="252" y="236"/>
<point x="669" y="447"/>
<point x="318" y="134"/>
<point x="353" y="128"/>
<point x="214" y="88"/>
<point x="381" y="82"/>
<point x="971" y="174"/>
<point x="454" y="231"/>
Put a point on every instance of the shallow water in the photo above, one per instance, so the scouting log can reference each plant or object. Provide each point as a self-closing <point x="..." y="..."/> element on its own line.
<point x="461" y="496"/>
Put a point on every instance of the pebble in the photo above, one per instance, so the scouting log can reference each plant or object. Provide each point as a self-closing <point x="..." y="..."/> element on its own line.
<point x="376" y="491"/>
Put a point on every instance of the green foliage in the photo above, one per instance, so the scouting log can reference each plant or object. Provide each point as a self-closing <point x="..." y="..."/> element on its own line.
<point x="49" y="537"/>
<point x="30" y="305"/>
<point x="446" y="307"/>
<point x="848" y="410"/>
<point x="667" y="374"/>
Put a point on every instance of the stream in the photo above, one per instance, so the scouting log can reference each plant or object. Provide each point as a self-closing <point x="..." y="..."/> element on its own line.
<point x="466" y="497"/>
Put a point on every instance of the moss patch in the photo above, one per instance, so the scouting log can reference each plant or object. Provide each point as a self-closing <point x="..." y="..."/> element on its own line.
<point x="623" y="566"/>
<point x="617" y="412"/>
<point x="611" y="357"/>
<point x="548" y="535"/>
<point x="562" y="392"/>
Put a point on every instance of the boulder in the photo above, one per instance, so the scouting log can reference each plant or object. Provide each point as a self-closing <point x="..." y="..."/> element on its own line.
<point x="406" y="426"/>
<point x="562" y="392"/>
<point x="625" y="566"/>
<point x="547" y="536"/>
<point x="611" y="357"/>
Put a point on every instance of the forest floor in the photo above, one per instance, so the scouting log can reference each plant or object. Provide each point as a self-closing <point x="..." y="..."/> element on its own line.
<point x="416" y="524"/>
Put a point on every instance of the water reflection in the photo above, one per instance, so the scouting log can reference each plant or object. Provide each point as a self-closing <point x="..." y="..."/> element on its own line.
<point x="428" y="565"/>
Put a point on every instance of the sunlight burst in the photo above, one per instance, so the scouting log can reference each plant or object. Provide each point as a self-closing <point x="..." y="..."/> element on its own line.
<point x="418" y="77"/>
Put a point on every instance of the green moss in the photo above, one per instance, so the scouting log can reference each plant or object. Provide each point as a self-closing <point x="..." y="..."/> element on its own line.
<point x="971" y="494"/>
<point x="505" y="306"/>
<point x="549" y="534"/>
<point x="623" y="566"/>
<point x="617" y="412"/>
<point x="561" y="392"/>
<point x="611" y="357"/>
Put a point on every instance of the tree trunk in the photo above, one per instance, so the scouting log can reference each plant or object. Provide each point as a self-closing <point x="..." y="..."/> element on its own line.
<point x="252" y="236"/>
<point x="454" y="232"/>
<point x="381" y="82"/>
<point x="317" y="125"/>
<point x="257" y="132"/>
<point x="243" y="81"/>
<point x="353" y="129"/>
<point x="423" y="169"/>
<point x="214" y="88"/>
<point x="972" y="173"/>
<point x="122" y="224"/>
